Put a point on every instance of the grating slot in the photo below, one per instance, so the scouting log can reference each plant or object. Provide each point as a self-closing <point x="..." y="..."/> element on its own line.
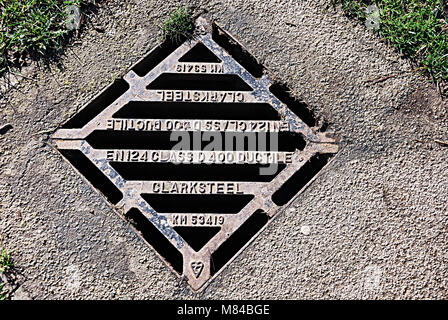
<point x="156" y="239"/>
<point x="238" y="53"/>
<point x="299" y="108"/>
<point x="156" y="56"/>
<point x="197" y="237"/>
<point x="161" y="140"/>
<point x="200" y="147"/>
<point x="193" y="172"/>
<point x="299" y="179"/>
<point x="198" y="203"/>
<point x="198" y="111"/>
<point x="200" y="53"/>
<point x="93" y="174"/>
<point x="98" y="104"/>
<point x="191" y="81"/>
<point x="5" y="128"/>
<point x="237" y="240"/>
<point x="102" y="139"/>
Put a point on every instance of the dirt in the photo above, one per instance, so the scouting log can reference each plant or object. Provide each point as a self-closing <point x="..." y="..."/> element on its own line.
<point x="375" y="219"/>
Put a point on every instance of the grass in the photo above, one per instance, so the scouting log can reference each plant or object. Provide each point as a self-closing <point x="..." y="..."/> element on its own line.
<point x="178" y="26"/>
<point x="33" y="28"/>
<point x="3" y="294"/>
<point x="37" y="28"/>
<point x="6" y="264"/>
<point x="417" y="28"/>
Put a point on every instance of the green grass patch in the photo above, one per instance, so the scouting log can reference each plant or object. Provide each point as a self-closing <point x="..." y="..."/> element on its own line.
<point x="417" y="28"/>
<point x="3" y="294"/>
<point x="178" y="26"/>
<point x="33" y="28"/>
<point x="6" y="264"/>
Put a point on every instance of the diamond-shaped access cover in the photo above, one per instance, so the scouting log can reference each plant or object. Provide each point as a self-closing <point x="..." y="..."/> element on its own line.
<point x="197" y="206"/>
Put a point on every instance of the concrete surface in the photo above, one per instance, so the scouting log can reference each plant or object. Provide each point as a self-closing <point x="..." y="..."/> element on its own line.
<point x="372" y="225"/>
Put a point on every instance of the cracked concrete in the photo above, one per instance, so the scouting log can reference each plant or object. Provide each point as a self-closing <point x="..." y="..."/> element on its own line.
<point x="371" y="226"/>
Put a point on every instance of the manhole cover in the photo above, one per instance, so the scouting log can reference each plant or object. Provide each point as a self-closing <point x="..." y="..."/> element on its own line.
<point x="198" y="149"/>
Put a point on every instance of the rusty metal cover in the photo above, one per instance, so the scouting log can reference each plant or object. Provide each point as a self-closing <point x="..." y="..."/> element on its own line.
<point x="196" y="151"/>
